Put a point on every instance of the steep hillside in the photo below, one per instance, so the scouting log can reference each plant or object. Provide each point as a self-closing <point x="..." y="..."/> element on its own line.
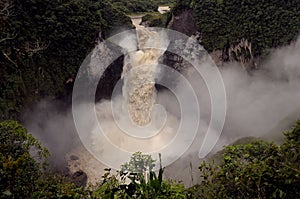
<point x="42" y="44"/>
<point x="240" y="30"/>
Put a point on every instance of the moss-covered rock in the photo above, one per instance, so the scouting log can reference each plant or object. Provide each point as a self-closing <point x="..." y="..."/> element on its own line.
<point x="155" y="19"/>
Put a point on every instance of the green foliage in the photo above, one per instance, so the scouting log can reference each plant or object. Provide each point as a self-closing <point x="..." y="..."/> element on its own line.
<point x="265" y="24"/>
<point x="21" y="175"/>
<point x="42" y="44"/>
<point x="140" y="6"/>
<point x="181" y="5"/>
<point x="51" y="185"/>
<point x="156" y="187"/>
<point x="139" y="186"/>
<point x="21" y="160"/>
<point x="156" y="19"/>
<point x="23" y="166"/>
<point x="139" y="163"/>
<point x="255" y="170"/>
<point x="135" y="6"/>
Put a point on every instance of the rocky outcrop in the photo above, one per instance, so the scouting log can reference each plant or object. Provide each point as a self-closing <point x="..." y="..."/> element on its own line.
<point x="240" y="52"/>
<point x="83" y="167"/>
<point x="183" y="21"/>
<point x="79" y="178"/>
<point x="155" y="20"/>
<point x="109" y="79"/>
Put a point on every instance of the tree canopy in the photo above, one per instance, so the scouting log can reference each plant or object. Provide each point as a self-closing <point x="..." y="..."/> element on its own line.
<point x="21" y="160"/>
<point x="42" y="44"/>
<point x="257" y="169"/>
<point x="266" y="24"/>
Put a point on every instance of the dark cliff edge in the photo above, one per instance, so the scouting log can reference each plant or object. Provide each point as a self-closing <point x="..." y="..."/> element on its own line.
<point x="110" y="77"/>
<point x="183" y="21"/>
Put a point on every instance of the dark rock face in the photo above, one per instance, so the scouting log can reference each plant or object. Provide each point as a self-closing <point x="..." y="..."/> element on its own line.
<point x="172" y="60"/>
<point x="183" y="22"/>
<point x="109" y="79"/>
<point x="79" y="178"/>
<point x="74" y="157"/>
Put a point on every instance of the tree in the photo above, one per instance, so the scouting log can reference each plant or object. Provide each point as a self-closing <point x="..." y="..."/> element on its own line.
<point x="262" y="23"/>
<point x="22" y="159"/>
<point x="139" y="163"/>
<point x="255" y="170"/>
<point x="43" y="43"/>
<point x="138" y="186"/>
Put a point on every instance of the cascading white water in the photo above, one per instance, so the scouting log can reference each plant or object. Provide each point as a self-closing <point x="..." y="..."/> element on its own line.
<point x="137" y="100"/>
<point x="138" y="88"/>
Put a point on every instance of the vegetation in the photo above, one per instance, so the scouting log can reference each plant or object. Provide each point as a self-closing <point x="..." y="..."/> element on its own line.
<point x="257" y="169"/>
<point x="139" y="163"/>
<point x="137" y="6"/>
<point x="156" y="19"/>
<point x="140" y="186"/>
<point x="266" y="24"/>
<point x="42" y="44"/>
<point x="19" y="169"/>
<point x="23" y="168"/>
<point x="23" y="173"/>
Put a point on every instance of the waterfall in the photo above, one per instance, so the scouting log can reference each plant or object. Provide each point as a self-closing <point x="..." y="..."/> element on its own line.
<point x="139" y="76"/>
<point x="149" y="129"/>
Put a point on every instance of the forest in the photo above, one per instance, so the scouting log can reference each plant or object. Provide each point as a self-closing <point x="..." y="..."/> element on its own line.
<point x="42" y="45"/>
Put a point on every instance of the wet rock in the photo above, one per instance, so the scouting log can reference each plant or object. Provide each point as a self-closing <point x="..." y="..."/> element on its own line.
<point x="74" y="157"/>
<point x="183" y="22"/>
<point x="79" y="178"/>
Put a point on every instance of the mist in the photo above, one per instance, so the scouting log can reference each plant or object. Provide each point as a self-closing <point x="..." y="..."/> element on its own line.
<point x="261" y="104"/>
<point x="258" y="105"/>
<point x="52" y="124"/>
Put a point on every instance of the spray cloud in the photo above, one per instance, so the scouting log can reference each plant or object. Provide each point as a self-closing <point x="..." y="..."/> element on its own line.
<point x="261" y="105"/>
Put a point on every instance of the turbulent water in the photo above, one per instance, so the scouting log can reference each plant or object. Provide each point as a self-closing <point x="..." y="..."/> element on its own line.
<point x="252" y="102"/>
<point x="139" y="75"/>
<point x="136" y="102"/>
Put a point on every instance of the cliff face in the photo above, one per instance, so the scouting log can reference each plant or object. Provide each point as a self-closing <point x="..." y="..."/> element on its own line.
<point x="109" y="79"/>
<point x="240" y="52"/>
<point x="184" y="22"/>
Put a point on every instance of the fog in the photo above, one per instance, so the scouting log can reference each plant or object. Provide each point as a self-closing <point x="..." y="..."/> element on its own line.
<point x="260" y="104"/>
